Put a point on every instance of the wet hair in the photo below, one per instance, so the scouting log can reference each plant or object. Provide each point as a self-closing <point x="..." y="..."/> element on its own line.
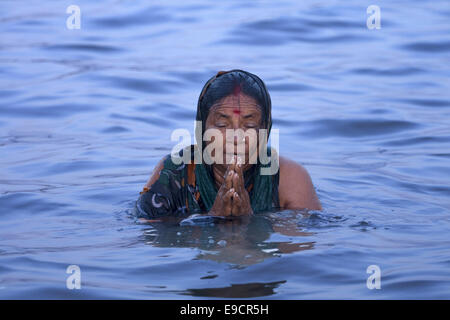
<point x="226" y="83"/>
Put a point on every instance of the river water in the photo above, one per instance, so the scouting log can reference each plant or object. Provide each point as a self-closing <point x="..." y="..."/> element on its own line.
<point x="85" y="114"/>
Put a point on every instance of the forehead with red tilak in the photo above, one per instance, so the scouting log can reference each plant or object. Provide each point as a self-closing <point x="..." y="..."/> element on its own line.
<point x="238" y="103"/>
<point x="237" y="93"/>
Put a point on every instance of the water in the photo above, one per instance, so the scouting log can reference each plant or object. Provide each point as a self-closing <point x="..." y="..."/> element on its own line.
<point x="86" y="114"/>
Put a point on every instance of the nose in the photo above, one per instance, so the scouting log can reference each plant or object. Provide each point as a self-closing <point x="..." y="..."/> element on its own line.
<point x="236" y="119"/>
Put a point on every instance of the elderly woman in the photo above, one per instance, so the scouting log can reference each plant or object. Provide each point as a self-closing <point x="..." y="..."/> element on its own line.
<point x="233" y="99"/>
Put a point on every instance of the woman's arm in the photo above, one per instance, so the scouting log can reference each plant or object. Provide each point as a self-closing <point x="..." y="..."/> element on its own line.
<point x="155" y="174"/>
<point x="156" y="197"/>
<point x="296" y="190"/>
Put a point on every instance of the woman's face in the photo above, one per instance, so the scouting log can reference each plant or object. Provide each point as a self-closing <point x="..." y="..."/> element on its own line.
<point x="236" y="111"/>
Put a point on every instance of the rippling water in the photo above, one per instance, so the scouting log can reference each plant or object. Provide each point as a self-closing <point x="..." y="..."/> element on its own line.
<point x="86" y="114"/>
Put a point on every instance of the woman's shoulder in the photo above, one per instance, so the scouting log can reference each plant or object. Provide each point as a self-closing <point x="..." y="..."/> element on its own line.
<point x="155" y="174"/>
<point x="288" y="166"/>
<point x="171" y="165"/>
<point x="296" y="190"/>
<point x="292" y="174"/>
<point x="165" y="165"/>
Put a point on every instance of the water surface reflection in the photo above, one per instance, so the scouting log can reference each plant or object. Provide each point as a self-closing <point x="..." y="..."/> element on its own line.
<point x="240" y="242"/>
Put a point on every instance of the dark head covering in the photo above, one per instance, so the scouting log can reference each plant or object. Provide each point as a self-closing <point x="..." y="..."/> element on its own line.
<point x="223" y="84"/>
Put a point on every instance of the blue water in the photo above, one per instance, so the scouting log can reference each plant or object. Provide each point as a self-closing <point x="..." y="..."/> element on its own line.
<point x="86" y="114"/>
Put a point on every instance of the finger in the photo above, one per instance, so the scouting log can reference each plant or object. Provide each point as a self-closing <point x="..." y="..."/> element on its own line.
<point x="225" y="175"/>
<point x="224" y="187"/>
<point x="228" y="202"/>
<point x="243" y="204"/>
<point x="239" y="161"/>
<point x="238" y="184"/>
<point x="233" y="163"/>
<point x="226" y="172"/>
<point x="240" y="171"/>
<point x="229" y="180"/>
<point x="237" y="204"/>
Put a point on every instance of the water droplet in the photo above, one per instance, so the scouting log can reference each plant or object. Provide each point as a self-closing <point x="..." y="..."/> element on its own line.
<point x="222" y="243"/>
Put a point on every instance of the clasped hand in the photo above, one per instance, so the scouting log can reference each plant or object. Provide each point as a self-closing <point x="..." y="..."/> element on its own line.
<point x="232" y="198"/>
